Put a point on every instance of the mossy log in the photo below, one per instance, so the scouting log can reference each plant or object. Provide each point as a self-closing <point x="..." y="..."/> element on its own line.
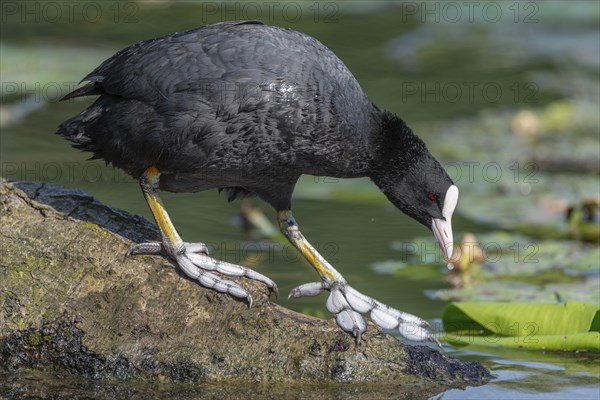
<point x="71" y="301"/>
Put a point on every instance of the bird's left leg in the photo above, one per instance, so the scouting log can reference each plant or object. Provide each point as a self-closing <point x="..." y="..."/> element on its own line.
<point x="192" y="258"/>
<point x="345" y="302"/>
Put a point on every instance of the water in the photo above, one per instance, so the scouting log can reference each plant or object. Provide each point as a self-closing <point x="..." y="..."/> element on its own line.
<point x="519" y="374"/>
<point x="352" y="225"/>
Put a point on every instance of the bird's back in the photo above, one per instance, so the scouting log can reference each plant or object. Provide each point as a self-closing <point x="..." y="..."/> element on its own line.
<point x="231" y="96"/>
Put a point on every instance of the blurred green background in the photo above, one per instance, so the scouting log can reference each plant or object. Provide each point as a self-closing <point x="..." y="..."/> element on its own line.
<point x="506" y="94"/>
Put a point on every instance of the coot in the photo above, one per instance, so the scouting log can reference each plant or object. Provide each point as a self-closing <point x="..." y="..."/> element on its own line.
<point x="248" y="108"/>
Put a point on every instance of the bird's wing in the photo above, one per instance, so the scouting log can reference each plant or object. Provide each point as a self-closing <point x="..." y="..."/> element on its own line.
<point x="226" y="91"/>
<point x="213" y="62"/>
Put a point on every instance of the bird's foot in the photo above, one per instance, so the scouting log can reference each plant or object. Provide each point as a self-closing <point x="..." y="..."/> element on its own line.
<point x="347" y="304"/>
<point x="194" y="261"/>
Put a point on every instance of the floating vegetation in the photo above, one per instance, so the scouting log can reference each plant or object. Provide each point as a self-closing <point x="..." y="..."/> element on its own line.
<point x="570" y="326"/>
<point x="501" y="266"/>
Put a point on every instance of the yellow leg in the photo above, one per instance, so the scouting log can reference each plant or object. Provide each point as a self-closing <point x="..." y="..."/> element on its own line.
<point x="149" y="183"/>
<point x="289" y="227"/>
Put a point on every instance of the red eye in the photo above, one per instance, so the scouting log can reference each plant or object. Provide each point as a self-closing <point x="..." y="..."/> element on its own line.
<point x="433" y="197"/>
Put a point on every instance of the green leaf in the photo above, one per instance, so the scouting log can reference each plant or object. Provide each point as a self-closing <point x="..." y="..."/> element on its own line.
<point x="569" y="326"/>
<point x="575" y="342"/>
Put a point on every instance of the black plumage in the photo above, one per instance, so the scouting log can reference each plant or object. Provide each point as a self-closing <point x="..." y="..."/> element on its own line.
<point x="237" y="105"/>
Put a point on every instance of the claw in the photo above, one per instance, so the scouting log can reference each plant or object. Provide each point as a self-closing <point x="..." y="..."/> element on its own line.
<point x="275" y="290"/>
<point x="433" y="339"/>
<point x="406" y="317"/>
<point x="307" y="290"/>
<point x="413" y="332"/>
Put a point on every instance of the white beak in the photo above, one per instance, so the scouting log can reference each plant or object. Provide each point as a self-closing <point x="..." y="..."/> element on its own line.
<point x="442" y="227"/>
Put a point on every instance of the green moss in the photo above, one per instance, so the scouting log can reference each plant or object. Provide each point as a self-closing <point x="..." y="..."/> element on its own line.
<point x="34" y="339"/>
<point x="96" y="229"/>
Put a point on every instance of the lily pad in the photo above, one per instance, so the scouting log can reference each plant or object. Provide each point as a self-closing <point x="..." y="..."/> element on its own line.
<point x="512" y="255"/>
<point x="511" y="291"/>
<point x="569" y="326"/>
<point x="526" y="256"/>
<point x="514" y="268"/>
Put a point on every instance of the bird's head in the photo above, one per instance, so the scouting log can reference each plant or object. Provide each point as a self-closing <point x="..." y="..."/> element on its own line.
<point x="413" y="180"/>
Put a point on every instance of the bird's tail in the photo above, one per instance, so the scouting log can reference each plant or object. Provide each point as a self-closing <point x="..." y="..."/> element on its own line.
<point x="89" y="89"/>
<point x="79" y="130"/>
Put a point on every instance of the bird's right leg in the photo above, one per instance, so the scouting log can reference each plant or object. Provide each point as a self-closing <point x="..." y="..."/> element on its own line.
<point x="192" y="258"/>
<point x="345" y="302"/>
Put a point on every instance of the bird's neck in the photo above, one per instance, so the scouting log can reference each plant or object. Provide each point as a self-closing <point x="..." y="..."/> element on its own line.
<point x="396" y="150"/>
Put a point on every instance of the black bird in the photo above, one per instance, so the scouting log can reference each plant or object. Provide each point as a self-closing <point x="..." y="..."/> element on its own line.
<point x="248" y="108"/>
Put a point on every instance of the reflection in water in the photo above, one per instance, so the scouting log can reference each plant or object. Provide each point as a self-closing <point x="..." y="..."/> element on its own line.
<point x="528" y="375"/>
